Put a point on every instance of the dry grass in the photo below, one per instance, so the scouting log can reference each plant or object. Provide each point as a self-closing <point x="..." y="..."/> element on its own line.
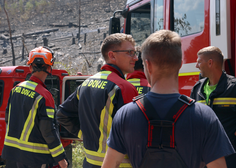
<point x="78" y="154"/>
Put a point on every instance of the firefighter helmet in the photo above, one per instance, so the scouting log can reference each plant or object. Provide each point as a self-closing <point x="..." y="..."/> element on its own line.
<point x="41" y="55"/>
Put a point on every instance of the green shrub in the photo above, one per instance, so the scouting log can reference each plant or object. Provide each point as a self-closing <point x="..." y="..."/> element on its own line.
<point x="6" y="5"/>
<point x="29" y="6"/>
<point x="21" y="6"/>
<point x="15" y="6"/>
<point x="13" y="9"/>
<point x="41" y="5"/>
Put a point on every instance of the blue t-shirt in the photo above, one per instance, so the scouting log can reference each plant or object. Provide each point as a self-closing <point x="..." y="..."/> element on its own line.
<point x="199" y="136"/>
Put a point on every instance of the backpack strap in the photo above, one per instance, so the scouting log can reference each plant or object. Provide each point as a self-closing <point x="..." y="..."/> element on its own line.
<point x="138" y="97"/>
<point x="148" y="109"/>
<point x="164" y="129"/>
<point x="173" y="115"/>
<point x="150" y="114"/>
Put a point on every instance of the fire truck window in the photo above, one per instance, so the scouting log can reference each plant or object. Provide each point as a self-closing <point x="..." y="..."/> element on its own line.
<point x="1" y="91"/>
<point x="217" y="17"/>
<point x="28" y="76"/>
<point x="71" y="86"/>
<point x="158" y="15"/>
<point x="15" y="83"/>
<point x="188" y="16"/>
<point x="140" y="24"/>
<point x="53" y="85"/>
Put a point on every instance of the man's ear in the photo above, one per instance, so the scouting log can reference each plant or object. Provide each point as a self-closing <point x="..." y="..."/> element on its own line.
<point x="210" y="62"/>
<point x="49" y="69"/>
<point x="111" y="56"/>
<point x="31" y="68"/>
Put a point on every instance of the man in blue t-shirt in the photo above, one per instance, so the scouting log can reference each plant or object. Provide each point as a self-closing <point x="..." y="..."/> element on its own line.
<point x="199" y="136"/>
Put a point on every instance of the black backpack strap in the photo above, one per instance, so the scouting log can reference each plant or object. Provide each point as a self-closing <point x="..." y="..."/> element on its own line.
<point x="163" y="129"/>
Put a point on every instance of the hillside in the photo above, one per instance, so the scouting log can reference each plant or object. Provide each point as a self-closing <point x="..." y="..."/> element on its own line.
<point x="56" y="21"/>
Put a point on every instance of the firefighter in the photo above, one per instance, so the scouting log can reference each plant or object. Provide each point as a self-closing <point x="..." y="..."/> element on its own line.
<point x="217" y="90"/>
<point x="32" y="140"/>
<point x="138" y="78"/>
<point x="89" y="111"/>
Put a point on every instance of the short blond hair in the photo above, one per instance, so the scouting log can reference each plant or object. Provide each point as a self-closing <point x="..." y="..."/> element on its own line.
<point x="212" y="52"/>
<point x="113" y="41"/>
<point x="164" y="49"/>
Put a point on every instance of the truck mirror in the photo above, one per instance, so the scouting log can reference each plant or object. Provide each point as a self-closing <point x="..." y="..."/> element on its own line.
<point x="114" y="25"/>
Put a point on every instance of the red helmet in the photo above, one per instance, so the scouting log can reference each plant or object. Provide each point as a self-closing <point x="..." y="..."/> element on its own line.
<point x="41" y="55"/>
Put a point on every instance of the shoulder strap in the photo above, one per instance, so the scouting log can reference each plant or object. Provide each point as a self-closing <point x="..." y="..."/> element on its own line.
<point x="146" y="107"/>
<point x="164" y="127"/>
<point x="178" y="108"/>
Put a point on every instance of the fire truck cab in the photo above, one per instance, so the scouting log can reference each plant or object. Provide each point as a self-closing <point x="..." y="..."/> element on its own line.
<point x="200" y="23"/>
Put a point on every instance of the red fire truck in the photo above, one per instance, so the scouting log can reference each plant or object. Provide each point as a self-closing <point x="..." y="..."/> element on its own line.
<point x="60" y="85"/>
<point x="200" y="23"/>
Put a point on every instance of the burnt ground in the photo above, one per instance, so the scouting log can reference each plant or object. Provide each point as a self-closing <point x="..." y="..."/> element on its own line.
<point x="57" y="21"/>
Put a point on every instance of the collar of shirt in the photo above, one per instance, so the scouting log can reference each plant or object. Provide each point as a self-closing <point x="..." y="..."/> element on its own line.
<point x="136" y="74"/>
<point x="113" y="68"/>
<point x="37" y="80"/>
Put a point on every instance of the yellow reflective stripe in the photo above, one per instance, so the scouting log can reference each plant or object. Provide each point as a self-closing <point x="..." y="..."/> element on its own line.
<point x="77" y="94"/>
<point x="189" y="73"/>
<point x="221" y="101"/>
<point x="101" y="127"/>
<point x="135" y="82"/>
<point x="50" y="113"/>
<point x="111" y="107"/>
<point x="94" y="162"/>
<point x="29" y="123"/>
<point x="126" y="162"/>
<point x="125" y="165"/>
<point x="224" y="101"/>
<point x="101" y="75"/>
<point x="29" y="85"/>
<point x="93" y="153"/>
<point x="57" y="151"/>
<point x="80" y="134"/>
<point x="26" y="146"/>
<point x="8" y="119"/>
<point x="202" y="101"/>
<point x="96" y="158"/>
<point x="105" y="121"/>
